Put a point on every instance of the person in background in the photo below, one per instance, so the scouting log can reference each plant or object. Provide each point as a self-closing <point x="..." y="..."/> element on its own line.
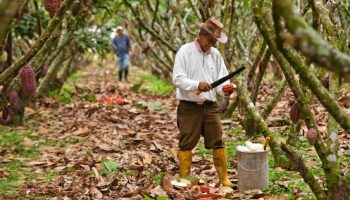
<point x="197" y="64"/>
<point x="122" y="47"/>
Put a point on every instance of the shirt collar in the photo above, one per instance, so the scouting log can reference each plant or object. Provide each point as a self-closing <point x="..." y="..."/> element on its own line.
<point x="199" y="47"/>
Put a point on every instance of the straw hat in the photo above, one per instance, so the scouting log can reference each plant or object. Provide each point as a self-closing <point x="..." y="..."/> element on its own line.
<point x="214" y="28"/>
<point x="119" y="28"/>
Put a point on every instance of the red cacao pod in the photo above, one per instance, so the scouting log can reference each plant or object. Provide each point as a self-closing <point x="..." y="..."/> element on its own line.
<point x="28" y="81"/>
<point x="294" y="113"/>
<point x="311" y="136"/>
<point x="145" y="47"/>
<point x="75" y="9"/>
<point x="52" y="6"/>
<point x="15" y="103"/>
<point x="228" y="88"/>
<point x="325" y="82"/>
<point x="166" y="73"/>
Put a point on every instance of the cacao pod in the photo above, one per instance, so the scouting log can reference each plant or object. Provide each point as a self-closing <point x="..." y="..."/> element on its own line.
<point x="325" y="82"/>
<point x="28" y="80"/>
<point x="228" y="89"/>
<point x="294" y="113"/>
<point x="75" y="9"/>
<point x="4" y="67"/>
<point x="250" y="84"/>
<point x="52" y="6"/>
<point x="166" y="73"/>
<point x="145" y="47"/>
<point x="15" y="103"/>
<point x="311" y="136"/>
<point x="166" y="16"/>
<point x="43" y="70"/>
<point x="7" y="114"/>
<point x="223" y="105"/>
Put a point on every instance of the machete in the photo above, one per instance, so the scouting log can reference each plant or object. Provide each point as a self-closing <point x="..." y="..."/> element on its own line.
<point x="223" y="79"/>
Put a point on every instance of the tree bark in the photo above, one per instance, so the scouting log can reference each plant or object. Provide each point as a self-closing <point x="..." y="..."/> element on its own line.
<point x="310" y="43"/>
<point x="7" y="12"/>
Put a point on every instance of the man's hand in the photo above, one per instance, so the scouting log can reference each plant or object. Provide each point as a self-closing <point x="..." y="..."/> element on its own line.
<point x="204" y="87"/>
<point x="228" y="89"/>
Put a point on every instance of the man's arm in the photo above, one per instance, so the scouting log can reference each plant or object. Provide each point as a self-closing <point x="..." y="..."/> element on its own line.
<point x="180" y="78"/>
<point x="114" y="47"/>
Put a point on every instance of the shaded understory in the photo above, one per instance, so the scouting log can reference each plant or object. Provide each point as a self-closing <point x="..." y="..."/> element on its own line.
<point x="73" y="145"/>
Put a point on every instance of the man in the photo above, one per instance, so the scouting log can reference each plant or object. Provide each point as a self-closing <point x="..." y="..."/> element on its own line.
<point x="197" y="64"/>
<point x="122" y="47"/>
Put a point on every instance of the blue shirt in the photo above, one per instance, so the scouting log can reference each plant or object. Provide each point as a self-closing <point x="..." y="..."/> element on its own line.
<point x="122" y="45"/>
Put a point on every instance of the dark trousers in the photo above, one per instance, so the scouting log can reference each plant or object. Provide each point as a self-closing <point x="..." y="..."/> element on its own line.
<point x="125" y="72"/>
<point x="194" y="120"/>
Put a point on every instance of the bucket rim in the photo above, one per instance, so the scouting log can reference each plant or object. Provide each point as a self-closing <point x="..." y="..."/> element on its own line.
<point x="265" y="151"/>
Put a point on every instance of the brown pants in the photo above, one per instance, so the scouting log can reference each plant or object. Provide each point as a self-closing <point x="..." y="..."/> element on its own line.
<point x="194" y="120"/>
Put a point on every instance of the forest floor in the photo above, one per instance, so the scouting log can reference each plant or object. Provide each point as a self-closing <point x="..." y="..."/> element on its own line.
<point x="78" y="144"/>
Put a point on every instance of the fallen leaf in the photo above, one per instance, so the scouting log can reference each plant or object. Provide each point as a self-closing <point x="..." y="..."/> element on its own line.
<point x="96" y="193"/>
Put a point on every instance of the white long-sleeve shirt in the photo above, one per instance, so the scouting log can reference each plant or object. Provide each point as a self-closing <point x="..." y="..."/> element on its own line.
<point x="192" y="66"/>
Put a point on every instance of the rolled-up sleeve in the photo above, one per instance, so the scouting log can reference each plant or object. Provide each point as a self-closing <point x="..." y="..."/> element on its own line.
<point x="180" y="75"/>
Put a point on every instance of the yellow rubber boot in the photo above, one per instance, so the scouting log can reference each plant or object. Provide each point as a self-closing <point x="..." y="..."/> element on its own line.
<point x="185" y="161"/>
<point x="220" y="163"/>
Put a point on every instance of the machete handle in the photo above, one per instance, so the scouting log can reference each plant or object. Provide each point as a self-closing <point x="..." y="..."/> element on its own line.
<point x="266" y="142"/>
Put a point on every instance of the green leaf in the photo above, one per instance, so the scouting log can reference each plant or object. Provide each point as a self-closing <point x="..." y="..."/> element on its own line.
<point x="136" y="87"/>
<point x="148" y="198"/>
<point x="161" y="198"/>
<point x="110" y="165"/>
